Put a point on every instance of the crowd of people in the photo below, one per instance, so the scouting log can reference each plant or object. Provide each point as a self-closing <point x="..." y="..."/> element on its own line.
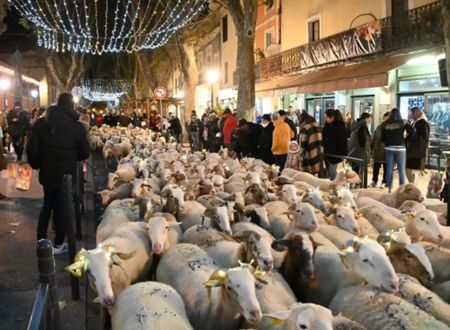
<point x="296" y="140"/>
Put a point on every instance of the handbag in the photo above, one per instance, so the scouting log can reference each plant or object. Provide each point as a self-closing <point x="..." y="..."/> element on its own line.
<point x="23" y="179"/>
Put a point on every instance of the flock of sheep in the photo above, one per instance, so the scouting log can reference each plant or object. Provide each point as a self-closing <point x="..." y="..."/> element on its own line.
<point x="203" y="241"/>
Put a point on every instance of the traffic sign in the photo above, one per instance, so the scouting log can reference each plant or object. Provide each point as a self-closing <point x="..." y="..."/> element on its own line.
<point x="160" y="93"/>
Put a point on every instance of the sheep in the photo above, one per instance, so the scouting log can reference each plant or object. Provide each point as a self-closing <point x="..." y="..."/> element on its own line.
<point x="380" y="219"/>
<point x="162" y="233"/>
<point x="440" y="261"/>
<point x="121" y="192"/>
<point x="368" y="201"/>
<point x="258" y="215"/>
<point x="343" y="178"/>
<point x="123" y="258"/>
<point x="337" y="236"/>
<point x="174" y="196"/>
<point x="411" y="206"/>
<point x="343" y="196"/>
<point x="110" y="220"/>
<point x="363" y="260"/>
<point x="202" y="234"/>
<point x="298" y="261"/>
<point x="296" y="216"/>
<point x="415" y="293"/>
<point x="315" y="198"/>
<point x="376" y="310"/>
<point x="234" y="187"/>
<point x="255" y="194"/>
<point x="125" y="173"/>
<point x="403" y="193"/>
<point x="214" y="298"/>
<point x="342" y="323"/>
<point x="252" y="248"/>
<point x="191" y="215"/>
<point x="288" y="194"/>
<point x="344" y="218"/>
<point x="149" y="305"/>
<point x="424" y="224"/>
<point x="302" y="316"/>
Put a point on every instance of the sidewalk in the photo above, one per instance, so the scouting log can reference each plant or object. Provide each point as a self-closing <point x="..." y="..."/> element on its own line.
<point x="18" y="271"/>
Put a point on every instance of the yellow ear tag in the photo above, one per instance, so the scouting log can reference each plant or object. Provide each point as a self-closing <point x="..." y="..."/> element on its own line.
<point x="276" y="321"/>
<point x="409" y="217"/>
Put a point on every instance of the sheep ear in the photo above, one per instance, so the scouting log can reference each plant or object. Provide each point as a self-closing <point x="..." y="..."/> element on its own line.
<point x="125" y="256"/>
<point x="278" y="318"/>
<point x="401" y="189"/>
<point x="76" y="269"/>
<point x="165" y="193"/>
<point x="209" y="213"/>
<point x="281" y="245"/>
<point x="216" y="279"/>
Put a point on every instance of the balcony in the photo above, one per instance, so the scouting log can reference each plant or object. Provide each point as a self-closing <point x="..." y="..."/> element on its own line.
<point x="418" y="28"/>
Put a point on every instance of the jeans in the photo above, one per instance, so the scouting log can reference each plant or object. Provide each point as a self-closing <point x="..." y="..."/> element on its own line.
<point x="53" y="201"/>
<point x="376" y="171"/>
<point x="399" y="157"/>
<point x="18" y="145"/>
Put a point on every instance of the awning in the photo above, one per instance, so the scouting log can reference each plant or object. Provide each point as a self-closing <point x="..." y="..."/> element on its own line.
<point x="371" y="73"/>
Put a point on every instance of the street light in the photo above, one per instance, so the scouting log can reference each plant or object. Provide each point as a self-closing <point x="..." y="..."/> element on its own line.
<point x="212" y="76"/>
<point x="5" y="83"/>
<point x="76" y="99"/>
<point x="34" y="93"/>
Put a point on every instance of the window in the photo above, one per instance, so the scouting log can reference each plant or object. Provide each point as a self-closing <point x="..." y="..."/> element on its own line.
<point x="269" y="4"/>
<point x="268" y="40"/>
<point x="225" y="28"/>
<point x="225" y="71"/>
<point x="314" y="30"/>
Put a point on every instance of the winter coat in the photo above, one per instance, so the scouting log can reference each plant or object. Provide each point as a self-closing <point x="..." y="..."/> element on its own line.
<point x="377" y="145"/>
<point x="311" y="149"/>
<point x="359" y="142"/>
<point x="175" y="126"/>
<point x="393" y="133"/>
<point x="281" y="137"/>
<point x="417" y="147"/>
<point x="213" y="140"/>
<point x="229" y="127"/>
<point x="18" y="123"/>
<point x="292" y="127"/>
<point x="265" y="144"/>
<point x="57" y="142"/>
<point x="334" y="141"/>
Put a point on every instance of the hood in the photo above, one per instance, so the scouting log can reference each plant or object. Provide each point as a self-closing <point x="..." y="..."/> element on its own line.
<point x="60" y="117"/>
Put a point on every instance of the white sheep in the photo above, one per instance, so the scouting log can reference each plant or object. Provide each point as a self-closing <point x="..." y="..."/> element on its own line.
<point x="288" y="194"/>
<point x="123" y="258"/>
<point x="162" y="233"/>
<point x="395" y="199"/>
<point x="121" y="192"/>
<point x="369" y="201"/>
<point x="342" y="179"/>
<point x="337" y="236"/>
<point x="344" y="217"/>
<point x="214" y="298"/>
<point x="301" y="316"/>
<point x="315" y="198"/>
<point x="202" y="234"/>
<point x="112" y="218"/>
<point x="149" y="306"/>
<point x="376" y="310"/>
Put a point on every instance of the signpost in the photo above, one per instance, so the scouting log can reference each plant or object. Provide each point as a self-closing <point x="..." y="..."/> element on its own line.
<point x="160" y="94"/>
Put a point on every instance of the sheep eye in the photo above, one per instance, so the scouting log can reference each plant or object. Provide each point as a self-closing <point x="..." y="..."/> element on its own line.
<point x="167" y="227"/>
<point x="422" y="218"/>
<point x="365" y="260"/>
<point x="303" y="326"/>
<point x="229" y="288"/>
<point x="339" y="216"/>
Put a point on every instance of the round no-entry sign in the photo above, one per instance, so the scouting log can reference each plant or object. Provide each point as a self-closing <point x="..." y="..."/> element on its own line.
<point x="160" y="93"/>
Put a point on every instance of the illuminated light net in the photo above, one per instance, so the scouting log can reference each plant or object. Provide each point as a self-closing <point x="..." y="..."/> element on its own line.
<point x="103" y="90"/>
<point x="105" y="26"/>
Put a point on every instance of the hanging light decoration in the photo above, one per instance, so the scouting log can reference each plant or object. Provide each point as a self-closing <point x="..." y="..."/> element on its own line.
<point x="103" y="90"/>
<point x="104" y="26"/>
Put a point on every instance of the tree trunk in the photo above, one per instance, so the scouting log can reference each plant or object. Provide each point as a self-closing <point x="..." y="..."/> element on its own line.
<point x="190" y="72"/>
<point x="244" y="18"/>
<point x="445" y="5"/>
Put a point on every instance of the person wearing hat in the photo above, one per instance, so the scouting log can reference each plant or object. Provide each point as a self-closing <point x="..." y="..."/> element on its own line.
<point x="283" y="114"/>
<point x="417" y="146"/>
<point x="18" y="127"/>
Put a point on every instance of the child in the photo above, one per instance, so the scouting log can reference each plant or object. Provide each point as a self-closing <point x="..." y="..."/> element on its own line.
<point x="293" y="159"/>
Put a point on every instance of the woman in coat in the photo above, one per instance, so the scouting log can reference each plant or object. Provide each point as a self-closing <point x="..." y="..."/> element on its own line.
<point x="417" y="148"/>
<point x="359" y="142"/>
<point x="265" y="140"/>
<point x="334" y="141"/>
<point x="379" y="157"/>
<point x="311" y="150"/>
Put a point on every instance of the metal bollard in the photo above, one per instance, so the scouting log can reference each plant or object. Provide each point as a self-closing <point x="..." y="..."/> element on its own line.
<point x="70" y="223"/>
<point x="46" y="266"/>
<point x="77" y="199"/>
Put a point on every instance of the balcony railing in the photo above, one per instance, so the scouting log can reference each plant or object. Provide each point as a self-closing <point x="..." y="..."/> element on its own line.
<point x="418" y="28"/>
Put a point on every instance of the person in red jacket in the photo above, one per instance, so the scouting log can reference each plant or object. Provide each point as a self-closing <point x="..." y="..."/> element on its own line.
<point x="229" y="127"/>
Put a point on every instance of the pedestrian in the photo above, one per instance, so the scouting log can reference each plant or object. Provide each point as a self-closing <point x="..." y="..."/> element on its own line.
<point x="265" y="140"/>
<point x="359" y="141"/>
<point x="213" y="133"/>
<point x="334" y="141"/>
<point x="18" y="128"/>
<point x="311" y="148"/>
<point x="292" y="115"/>
<point x="417" y="148"/>
<point x="392" y="135"/>
<point x="175" y="127"/>
<point x="258" y="118"/>
<point x="290" y="123"/>
<point x="281" y="137"/>
<point x="379" y="155"/>
<point x="195" y="128"/>
<point x="58" y="141"/>
<point x="349" y="123"/>
<point x="230" y="125"/>
<point x="293" y="159"/>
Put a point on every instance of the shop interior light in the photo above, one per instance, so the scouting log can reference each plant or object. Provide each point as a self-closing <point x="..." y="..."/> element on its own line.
<point x="423" y="60"/>
<point x="4" y="84"/>
<point x="34" y="93"/>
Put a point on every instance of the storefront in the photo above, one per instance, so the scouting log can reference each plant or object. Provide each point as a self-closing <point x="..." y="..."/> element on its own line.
<point x="228" y="98"/>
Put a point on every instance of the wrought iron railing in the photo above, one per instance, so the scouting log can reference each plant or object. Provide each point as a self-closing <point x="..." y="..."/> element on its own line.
<point x="418" y="27"/>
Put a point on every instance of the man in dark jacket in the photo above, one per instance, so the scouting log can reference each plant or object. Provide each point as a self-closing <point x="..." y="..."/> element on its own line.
<point x="283" y="114"/>
<point x="359" y="142"/>
<point x="58" y="141"/>
<point x="175" y="127"/>
<point x="334" y="141"/>
<point x="18" y="127"/>
<point x="265" y="140"/>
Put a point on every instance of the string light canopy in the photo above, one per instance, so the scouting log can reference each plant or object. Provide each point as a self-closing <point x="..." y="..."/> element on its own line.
<point x="104" y="26"/>
<point x="103" y="90"/>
